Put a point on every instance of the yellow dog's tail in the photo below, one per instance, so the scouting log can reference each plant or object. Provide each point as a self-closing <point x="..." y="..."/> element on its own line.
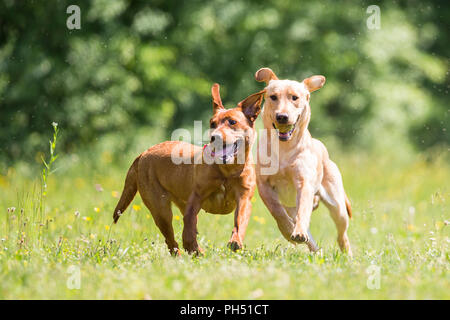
<point x="129" y="190"/>
<point x="348" y="206"/>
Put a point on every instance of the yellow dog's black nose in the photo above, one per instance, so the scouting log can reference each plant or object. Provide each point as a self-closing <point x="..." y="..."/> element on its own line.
<point x="282" y="118"/>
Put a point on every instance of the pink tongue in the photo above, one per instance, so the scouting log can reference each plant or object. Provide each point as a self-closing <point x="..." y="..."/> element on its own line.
<point x="226" y="151"/>
<point x="284" y="134"/>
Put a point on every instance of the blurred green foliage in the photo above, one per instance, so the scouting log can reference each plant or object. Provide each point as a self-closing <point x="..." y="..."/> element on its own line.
<point x="149" y="65"/>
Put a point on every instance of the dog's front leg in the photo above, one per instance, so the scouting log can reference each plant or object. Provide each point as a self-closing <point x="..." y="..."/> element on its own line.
<point x="241" y="219"/>
<point x="305" y="201"/>
<point x="190" y="224"/>
<point x="272" y="202"/>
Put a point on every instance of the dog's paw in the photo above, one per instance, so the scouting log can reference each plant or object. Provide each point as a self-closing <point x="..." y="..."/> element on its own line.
<point x="196" y="251"/>
<point x="192" y="247"/>
<point x="199" y="252"/>
<point x="299" y="237"/>
<point x="175" y="252"/>
<point x="234" y="245"/>
<point x="235" y="242"/>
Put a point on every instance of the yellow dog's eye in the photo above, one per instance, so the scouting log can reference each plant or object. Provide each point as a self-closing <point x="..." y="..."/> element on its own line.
<point x="294" y="98"/>
<point x="273" y="97"/>
<point x="231" y="121"/>
<point x="212" y="125"/>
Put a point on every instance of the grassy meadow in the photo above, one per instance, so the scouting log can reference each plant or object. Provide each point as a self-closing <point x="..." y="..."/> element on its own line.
<point x="401" y="211"/>
<point x="119" y="76"/>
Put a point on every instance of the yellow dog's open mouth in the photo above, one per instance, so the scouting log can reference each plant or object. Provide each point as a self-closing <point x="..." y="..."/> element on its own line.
<point x="284" y="131"/>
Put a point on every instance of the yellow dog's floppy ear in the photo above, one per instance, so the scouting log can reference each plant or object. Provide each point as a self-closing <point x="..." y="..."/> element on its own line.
<point x="217" y="102"/>
<point x="251" y="106"/>
<point x="314" y="83"/>
<point x="265" y="74"/>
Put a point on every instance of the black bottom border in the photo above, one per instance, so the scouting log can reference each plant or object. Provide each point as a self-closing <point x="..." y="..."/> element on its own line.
<point x="222" y="309"/>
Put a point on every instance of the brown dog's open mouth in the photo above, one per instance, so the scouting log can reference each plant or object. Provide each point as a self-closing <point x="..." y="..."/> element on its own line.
<point x="225" y="153"/>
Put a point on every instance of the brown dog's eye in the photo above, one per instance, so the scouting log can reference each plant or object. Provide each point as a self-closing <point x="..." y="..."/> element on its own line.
<point x="231" y="121"/>
<point x="294" y="98"/>
<point x="273" y="97"/>
<point x="212" y="125"/>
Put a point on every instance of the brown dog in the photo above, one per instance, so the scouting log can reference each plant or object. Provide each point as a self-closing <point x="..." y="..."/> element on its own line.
<point x="218" y="178"/>
<point x="305" y="174"/>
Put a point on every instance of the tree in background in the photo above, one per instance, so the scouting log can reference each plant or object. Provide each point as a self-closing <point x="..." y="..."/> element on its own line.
<point x="137" y="69"/>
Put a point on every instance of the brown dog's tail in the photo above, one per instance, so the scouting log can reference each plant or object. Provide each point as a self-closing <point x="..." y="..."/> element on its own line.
<point x="129" y="190"/>
<point x="348" y="206"/>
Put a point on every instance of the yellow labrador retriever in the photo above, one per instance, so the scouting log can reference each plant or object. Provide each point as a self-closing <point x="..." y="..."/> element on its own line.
<point x="305" y="174"/>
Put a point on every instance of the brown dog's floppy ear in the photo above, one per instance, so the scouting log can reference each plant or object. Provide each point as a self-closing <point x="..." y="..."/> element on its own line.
<point x="251" y="106"/>
<point x="314" y="83"/>
<point x="217" y="102"/>
<point x="265" y="74"/>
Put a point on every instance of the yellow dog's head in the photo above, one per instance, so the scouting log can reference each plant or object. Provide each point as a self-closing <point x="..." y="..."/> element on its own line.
<point x="286" y="106"/>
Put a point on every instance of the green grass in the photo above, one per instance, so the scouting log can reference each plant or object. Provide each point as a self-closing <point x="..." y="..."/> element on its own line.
<point x="400" y="211"/>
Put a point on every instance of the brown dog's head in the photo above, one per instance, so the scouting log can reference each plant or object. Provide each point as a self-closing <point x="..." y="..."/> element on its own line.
<point x="287" y="102"/>
<point x="232" y="130"/>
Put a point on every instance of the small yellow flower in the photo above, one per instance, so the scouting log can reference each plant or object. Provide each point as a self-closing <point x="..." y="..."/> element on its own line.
<point x="253" y="200"/>
<point x="93" y="236"/>
<point x="147" y="216"/>
<point x="87" y="218"/>
<point x="411" y="227"/>
<point x="136" y="207"/>
<point x="96" y="209"/>
<point x="261" y="220"/>
<point x="177" y="217"/>
<point x="106" y="228"/>
<point x="115" y="194"/>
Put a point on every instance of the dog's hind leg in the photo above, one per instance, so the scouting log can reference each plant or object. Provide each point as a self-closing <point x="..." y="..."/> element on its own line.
<point x="341" y="219"/>
<point x="333" y="195"/>
<point x="181" y="205"/>
<point x="157" y="200"/>
<point x="190" y="219"/>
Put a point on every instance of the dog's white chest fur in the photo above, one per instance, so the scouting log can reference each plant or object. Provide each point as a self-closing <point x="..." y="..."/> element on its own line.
<point x="286" y="192"/>
<point x="283" y="185"/>
<point x="282" y="182"/>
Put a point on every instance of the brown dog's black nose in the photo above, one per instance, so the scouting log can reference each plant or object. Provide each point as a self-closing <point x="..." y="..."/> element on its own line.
<point x="282" y="118"/>
<point x="215" y="137"/>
